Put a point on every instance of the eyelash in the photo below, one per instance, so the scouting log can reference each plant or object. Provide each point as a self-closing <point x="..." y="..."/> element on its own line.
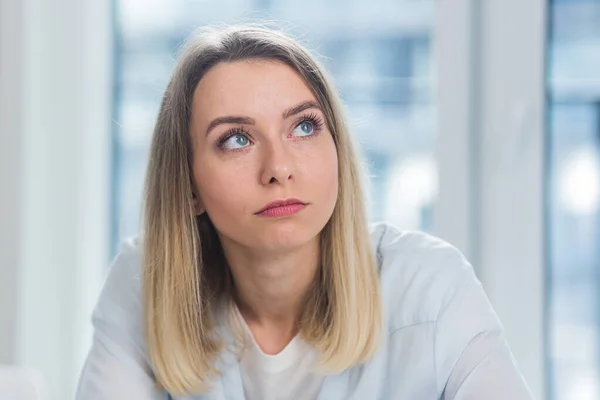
<point x="316" y="121"/>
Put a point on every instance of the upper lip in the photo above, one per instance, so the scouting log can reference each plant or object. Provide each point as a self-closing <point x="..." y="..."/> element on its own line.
<point x="279" y="203"/>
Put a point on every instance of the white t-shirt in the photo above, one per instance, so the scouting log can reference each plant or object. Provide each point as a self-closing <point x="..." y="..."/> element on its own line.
<point x="286" y="375"/>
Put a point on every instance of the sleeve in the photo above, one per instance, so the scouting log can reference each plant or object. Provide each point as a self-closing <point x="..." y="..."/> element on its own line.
<point x="471" y="353"/>
<point x="116" y="367"/>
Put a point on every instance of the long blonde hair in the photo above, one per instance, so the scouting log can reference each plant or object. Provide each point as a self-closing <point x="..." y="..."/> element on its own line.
<point x="184" y="270"/>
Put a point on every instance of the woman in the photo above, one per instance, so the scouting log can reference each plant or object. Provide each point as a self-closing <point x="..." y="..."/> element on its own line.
<point x="256" y="275"/>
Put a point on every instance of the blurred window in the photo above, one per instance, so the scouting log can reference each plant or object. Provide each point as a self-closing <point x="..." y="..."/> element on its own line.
<point x="573" y="197"/>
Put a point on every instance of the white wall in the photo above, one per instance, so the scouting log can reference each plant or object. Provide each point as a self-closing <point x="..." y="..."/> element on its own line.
<point x="55" y="144"/>
<point x="512" y="174"/>
<point x="10" y="171"/>
<point x="491" y="99"/>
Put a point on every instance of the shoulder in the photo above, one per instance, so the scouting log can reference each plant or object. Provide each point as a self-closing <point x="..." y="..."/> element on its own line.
<point x="418" y="274"/>
<point x="120" y="301"/>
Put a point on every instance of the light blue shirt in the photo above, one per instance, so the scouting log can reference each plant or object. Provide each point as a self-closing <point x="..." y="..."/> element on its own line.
<point x="443" y="341"/>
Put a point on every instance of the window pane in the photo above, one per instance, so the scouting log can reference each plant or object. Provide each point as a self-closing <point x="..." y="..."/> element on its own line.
<point x="381" y="59"/>
<point x="574" y="189"/>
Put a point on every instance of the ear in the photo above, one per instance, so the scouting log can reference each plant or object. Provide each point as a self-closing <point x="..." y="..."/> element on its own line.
<point x="198" y="205"/>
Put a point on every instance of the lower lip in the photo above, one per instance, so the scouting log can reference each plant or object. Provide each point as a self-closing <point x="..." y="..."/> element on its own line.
<point x="283" y="211"/>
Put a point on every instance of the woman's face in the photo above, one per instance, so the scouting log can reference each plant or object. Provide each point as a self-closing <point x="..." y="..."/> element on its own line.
<point x="259" y="137"/>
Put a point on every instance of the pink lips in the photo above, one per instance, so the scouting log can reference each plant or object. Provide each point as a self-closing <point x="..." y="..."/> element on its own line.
<point x="281" y="208"/>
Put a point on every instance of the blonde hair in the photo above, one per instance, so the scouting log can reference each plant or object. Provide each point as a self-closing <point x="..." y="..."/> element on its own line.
<point x="184" y="270"/>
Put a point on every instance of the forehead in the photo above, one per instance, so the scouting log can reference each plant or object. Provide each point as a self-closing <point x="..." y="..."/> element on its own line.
<point x="251" y="87"/>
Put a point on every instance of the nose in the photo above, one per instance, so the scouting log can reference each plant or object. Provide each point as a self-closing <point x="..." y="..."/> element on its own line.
<point x="278" y="166"/>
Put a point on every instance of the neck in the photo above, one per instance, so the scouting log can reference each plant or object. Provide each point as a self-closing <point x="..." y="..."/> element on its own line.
<point x="270" y="289"/>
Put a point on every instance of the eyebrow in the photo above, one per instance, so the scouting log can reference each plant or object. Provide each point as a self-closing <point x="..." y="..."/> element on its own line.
<point x="299" y="108"/>
<point x="242" y="120"/>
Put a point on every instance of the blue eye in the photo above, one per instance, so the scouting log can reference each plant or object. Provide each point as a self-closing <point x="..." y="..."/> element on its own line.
<point x="236" y="141"/>
<point x="305" y="128"/>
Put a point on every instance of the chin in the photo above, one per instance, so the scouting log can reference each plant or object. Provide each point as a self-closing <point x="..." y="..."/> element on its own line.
<point x="286" y="234"/>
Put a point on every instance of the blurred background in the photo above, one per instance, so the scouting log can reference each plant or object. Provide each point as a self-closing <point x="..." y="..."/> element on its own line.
<point x="479" y="121"/>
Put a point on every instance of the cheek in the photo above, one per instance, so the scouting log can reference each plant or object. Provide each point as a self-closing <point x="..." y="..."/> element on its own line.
<point x="332" y="176"/>
<point x="322" y="169"/>
<point x="217" y="182"/>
